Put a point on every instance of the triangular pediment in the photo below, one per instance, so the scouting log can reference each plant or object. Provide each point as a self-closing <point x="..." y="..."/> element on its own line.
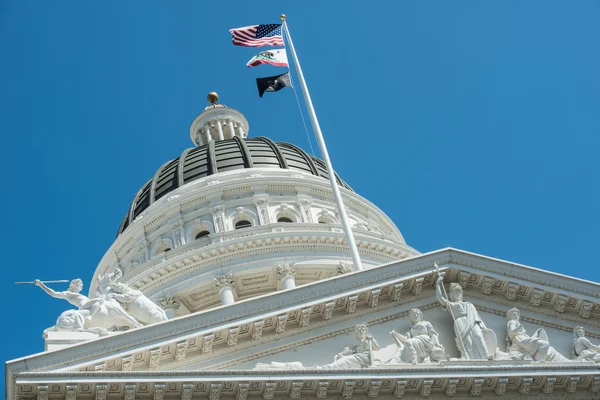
<point x="312" y="323"/>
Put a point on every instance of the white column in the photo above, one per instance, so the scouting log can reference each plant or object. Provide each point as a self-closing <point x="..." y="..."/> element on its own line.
<point x="225" y="285"/>
<point x="208" y="135"/>
<point x="219" y="129"/>
<point x="226" y="295"/>
<point x="286" y="274"/>
<point x="199" y="140"/>
<point x="231" y="130"/>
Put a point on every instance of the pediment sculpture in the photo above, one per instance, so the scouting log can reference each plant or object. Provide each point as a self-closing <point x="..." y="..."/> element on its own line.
<point x="473" y="339"/>
<point x="421" y="341"/>
<point x="583" y="349"/>
<point x="116" y="306"/>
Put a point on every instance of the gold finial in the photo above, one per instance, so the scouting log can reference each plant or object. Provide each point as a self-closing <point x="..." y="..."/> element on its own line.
<point x="212" y="97"/>
<point x="282" y="17"/>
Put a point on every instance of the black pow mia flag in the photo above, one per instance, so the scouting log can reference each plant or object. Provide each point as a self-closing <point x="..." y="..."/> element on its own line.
<point x="273" y="83"/>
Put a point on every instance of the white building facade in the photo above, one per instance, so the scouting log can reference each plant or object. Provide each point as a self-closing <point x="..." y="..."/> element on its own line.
<point x="231" y="278"/>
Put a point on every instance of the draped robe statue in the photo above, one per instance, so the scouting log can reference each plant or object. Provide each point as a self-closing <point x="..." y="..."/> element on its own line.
<point x="421" y="341"/>
<point x="537" y="345"/>
<point x="474" y="340"/>
<point x="583" y="349"/>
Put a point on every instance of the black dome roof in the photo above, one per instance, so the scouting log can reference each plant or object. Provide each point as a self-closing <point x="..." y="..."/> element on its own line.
<point x="221" y="156"/>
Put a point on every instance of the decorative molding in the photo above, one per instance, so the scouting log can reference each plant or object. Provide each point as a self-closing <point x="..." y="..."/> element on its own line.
<point x="257" y="330"/>
<point x="348" y="389"/>
<point x="222" y="281"/>
<point x="242" y="391"/>
<point x="400" y="388"/>
<point x="549" y="385"/>
<point x="328" y="310"/>
<point x="181" y="350"/>
<point x="463" y="279"/>
<point x="71" y="392"/>
<point x="232" y="337"/>
<point x="374" y="389"/>
<point x="426" y="387"/>
<point x="572" y="382"/>
<point x="280" y="324"/>
<point x="451" y="387"/>
<point x="187" y="391"/>
<point x="487" y="285"/>
<point x="501" y="386"/>
<point x="374" y="298"/>
<point x="511" y="291"/>
<point x="296" y="390"/>
<point x="269" y="391"/>
<point x="525" y="386"/>
<point x="101" y="390"/>
<point x="586" y="309"/>
<point x="351" y="305"/>
<point x="417" y="286"/>
<point x="305" y="317"/>
<point x="42" y="392"/>
<point x="154" y="358"/>
<point x="207" y="344"/>
<point x="397" y="291"/>
<point x="476" y="386"/>
<point x="215" y="391"/>
<point x="322" y="389"/>
<point x="561" y="303"/>
<point x="284" y="270"/>
<point x="129" y="392"/>
<point x="536" y="297"/>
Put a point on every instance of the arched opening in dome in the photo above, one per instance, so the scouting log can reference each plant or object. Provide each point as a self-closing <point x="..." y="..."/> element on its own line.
<point x="243" y="224"/>
<point x="202" y="234"/>
<point x="166" y="250"/>
<point x="284" y="219"/>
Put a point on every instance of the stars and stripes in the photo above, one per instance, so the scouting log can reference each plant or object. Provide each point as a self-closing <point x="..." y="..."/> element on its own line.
<point x="257" y="35"/>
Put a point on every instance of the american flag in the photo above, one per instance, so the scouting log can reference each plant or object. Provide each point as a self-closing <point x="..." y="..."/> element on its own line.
<point x="257" y="35"/>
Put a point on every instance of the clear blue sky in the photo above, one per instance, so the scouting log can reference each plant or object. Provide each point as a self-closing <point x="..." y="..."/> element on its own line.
<point x="472" y="124"/>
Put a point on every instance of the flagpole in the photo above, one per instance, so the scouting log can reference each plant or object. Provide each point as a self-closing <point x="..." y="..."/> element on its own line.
<point x="315" y="122"/>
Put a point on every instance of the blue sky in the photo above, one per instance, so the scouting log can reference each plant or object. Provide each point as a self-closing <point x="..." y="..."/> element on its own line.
<point x="471" y="124"/>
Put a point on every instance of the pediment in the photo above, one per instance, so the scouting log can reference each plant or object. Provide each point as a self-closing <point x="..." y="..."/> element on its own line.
<point x="311" y="323"/>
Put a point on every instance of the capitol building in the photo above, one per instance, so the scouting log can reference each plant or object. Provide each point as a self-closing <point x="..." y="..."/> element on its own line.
<point x="231" y="278"/>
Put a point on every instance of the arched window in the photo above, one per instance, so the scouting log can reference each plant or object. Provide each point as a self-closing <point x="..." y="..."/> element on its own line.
<point x="202" y="234"/>
<point x="284" y="219"/>
<point x="243" y="224"/>
<point x="167" y="250"/>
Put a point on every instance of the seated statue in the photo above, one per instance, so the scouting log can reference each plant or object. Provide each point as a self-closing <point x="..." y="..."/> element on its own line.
<point x="537" y="345"/>
<point x="359" y="356"/>
<point x="583" y="349"/>
<point x="421" y="341"/>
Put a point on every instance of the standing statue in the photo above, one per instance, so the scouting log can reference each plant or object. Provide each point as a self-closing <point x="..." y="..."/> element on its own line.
<point x="537" y="345"/>
<point x="583" y="349"/>
<point x="473" y="339"/>
<point x="421" y="341"/>
<point x="359" y="356"/>
<point x="92" y="315"/>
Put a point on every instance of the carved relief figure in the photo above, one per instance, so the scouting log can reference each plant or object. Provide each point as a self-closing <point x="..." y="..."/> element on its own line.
<point x="93" y="315"/>
<point x="474" y="340"/>
<point x="537" y="345"/>
<point x="359" y="356"/>
<point x="583" y="349"/>
<point x="138" y="305"/>
<point x="421" y="341"/>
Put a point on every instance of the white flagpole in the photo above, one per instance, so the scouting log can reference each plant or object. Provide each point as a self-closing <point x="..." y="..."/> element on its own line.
<point x="315" y="122"/>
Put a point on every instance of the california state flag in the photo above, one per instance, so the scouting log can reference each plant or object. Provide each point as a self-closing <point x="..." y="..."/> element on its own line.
<point x="277" y="58"/>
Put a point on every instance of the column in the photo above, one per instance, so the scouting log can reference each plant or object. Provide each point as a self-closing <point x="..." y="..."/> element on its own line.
<point x="220" y="129"/>
<point x="286" y="273"/>
<point x="225" y="285"/>
<point x="231" y="130"/>
<point x="199" y="140"/>
<point x="207" y="132"/>
<point x="170" y="305"/>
